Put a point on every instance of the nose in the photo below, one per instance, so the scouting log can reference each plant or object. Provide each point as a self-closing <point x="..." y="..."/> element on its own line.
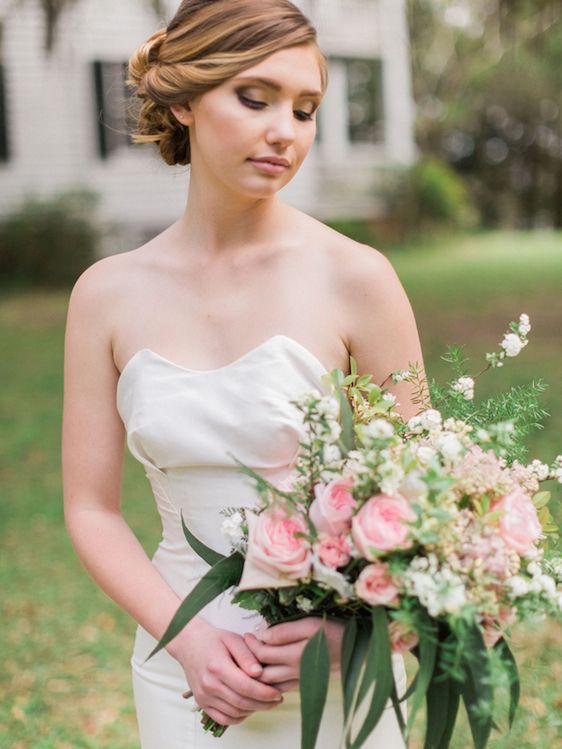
<point x="281" y="126"/>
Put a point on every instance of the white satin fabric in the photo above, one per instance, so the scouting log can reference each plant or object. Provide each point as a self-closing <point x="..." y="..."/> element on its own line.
<point x="187" y="427"/>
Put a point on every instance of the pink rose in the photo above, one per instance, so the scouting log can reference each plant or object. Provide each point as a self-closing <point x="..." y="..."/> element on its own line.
<point x="375" y="586"/>
<point x="519" y="523"/>
<point x="333" y="506"/>
<point x="402" y="638"/>
<point x="333" y="551"/>
<point x="275" y="558"/>
<point x="381" y="524"/>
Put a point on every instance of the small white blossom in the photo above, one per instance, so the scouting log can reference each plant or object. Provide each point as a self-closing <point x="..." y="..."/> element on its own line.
<point x="331" y="454"/>
<point x="400" y="376"/>
<point x="232" y="528"/>
<point x="533" y="569"/>
<point x="328" y="406"/>
<point x="541" y="470"/>
<point x="413" y="487"/>
<point x="431" y="419"/>
<point x="449" y="445"/>
<point x="415" y="425"/>
<point x="389" y="398"/>
<point x="379" y="429"/>
<point x="304" y="604"/>
<point x="483" y="435"/>
<point x="465" y="385"/>
<point x="524" y="324"/>
<point x="426" y="454"/>
<point x="547" y="584"/>
<point x="511" y="344"/>
<point x="519" y="586"/>
<point x="391" y="475"/>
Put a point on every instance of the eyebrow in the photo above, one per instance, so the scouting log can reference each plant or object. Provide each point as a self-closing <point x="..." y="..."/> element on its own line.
<point x="270" y="83"/>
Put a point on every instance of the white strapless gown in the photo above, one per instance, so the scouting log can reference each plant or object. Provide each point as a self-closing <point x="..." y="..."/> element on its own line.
<point x="183" y="425"/>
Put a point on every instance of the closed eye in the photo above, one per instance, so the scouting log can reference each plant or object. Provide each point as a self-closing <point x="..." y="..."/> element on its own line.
<point x="254" y="104"/>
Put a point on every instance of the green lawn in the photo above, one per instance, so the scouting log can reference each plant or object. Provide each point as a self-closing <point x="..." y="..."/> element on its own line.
<point x="64" y="649"/>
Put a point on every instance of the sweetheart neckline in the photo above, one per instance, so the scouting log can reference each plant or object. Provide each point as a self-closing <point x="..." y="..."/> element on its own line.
<point x="229" y="365"/>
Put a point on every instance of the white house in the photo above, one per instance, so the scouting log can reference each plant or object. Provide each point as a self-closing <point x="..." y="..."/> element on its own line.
<point x="62" y="122"/>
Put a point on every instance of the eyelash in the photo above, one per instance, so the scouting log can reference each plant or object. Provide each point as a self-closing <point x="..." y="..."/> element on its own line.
<point x="253" y="104"/>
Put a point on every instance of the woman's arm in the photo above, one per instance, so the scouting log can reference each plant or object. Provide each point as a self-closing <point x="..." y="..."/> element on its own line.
<point x="92" y="462"/>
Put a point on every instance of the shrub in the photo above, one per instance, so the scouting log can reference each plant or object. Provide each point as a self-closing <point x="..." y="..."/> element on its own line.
<point x="428" y="195"/>
<point x="49" y="242"/>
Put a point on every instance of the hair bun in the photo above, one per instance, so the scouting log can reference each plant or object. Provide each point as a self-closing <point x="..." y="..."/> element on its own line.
<point x="144" y="57"/>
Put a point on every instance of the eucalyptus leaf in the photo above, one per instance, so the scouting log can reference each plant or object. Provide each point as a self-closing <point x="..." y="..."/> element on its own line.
<point x="510" y="665"/>
<point x="220" y="577"/>
<point x="379" y="661"/>
<point x="427" y="655"/>
<point x="208" y="555"/>
<point x="314" y="678"/>
<point x="476" y="690"/>
<point x="356" y="660"/>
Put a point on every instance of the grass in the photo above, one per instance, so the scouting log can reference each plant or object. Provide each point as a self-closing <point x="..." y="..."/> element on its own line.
<point x="64" y="649"/>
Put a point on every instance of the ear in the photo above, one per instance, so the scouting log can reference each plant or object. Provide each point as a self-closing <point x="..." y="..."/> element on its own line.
<point x="182" y="113"/>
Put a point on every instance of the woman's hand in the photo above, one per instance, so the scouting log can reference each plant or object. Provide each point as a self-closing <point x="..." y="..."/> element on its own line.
<point x="222" y="672"/>
<point x="280" y="648"/>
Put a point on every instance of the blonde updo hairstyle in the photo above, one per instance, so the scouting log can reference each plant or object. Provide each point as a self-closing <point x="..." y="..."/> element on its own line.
<point x="206" y="43"/>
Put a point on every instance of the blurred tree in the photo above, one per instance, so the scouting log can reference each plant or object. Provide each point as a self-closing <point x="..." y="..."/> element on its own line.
<point x="488" y="83"/>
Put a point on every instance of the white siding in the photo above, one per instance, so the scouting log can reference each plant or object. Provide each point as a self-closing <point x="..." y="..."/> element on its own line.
<point x="52" y="118"/>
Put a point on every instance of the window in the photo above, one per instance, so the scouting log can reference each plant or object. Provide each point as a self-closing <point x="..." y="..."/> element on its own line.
<point x="364" y="100"/>
<point x="111" y="98"/>
<point x="4" y="140"/>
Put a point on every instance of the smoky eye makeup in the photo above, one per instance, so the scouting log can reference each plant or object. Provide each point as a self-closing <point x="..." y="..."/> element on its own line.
<point x="254" y="101"/>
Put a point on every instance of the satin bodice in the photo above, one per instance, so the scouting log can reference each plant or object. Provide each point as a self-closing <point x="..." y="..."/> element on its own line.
<point x="189" y="427"/>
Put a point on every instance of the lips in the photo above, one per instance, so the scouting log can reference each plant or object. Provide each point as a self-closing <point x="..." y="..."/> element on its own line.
<point x="272" y="160"/>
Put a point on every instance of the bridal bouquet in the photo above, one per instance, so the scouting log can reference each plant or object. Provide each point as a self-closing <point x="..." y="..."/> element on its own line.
<point x="428" y="535"/>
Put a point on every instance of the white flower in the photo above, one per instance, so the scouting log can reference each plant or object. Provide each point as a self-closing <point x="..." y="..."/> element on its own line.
<point x="379" y="429"/>
<point x="415" y="425"/>
<point x="412" y="486"/>
<point x="304" y="604"/>
<point x="547" y="584"/>
<point x="330" y="578"/>
<point x="483" y="435"/>
<point x="401" y="375"/>
<point x="431" y="419"/>
<point x="425" y="454"/>
<point x="449" y="445"/>
<point x="464" y="385"/>
<point x="440" y="592"/>
<point x="232" y="528"/>
<point x="511" y="344"/>
<point x="389" y="398"/>
<point x="519" y="586"/>
<point x="524" y="324"/>
<point x="541" y="470"/>
<point x="331" y="454"/>
<point x="533" y="569"/>
<point x="391" y="475"/>
<point x="328" y="406"/>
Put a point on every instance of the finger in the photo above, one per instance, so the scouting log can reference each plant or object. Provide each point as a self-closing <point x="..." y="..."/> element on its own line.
<point x="242" y="655"/>
<point x="246" y="704"/>
<point x="244" y="685"/>
<point x="277" y="654"/>
<point x="288" y="686"/>
<point x="282" y="634"/>
<point x="278" y="674"/>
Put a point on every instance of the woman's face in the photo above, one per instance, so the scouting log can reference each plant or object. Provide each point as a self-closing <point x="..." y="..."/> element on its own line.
<point x="245" y="119"/>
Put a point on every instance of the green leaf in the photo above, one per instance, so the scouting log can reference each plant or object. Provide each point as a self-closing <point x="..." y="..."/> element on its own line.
<point x="510" y="665"/>
<point x="314" y="678"/>
<point x="347" y="645"/>
<point x="540" y="499"/>
<point x="378" y="667"/>
<point x="356" y="660"/>
<point x="451" y="714"/>
<point x="347" y="435"/>
<point x="364" y="380"/>
<point x="476" y="690"/>
<point x="220" y="577"/>
<point x="427" y="653"/>
<point x="353" y="365"/>
<point x="208" y="555"/>
<point x="437" y="696"/>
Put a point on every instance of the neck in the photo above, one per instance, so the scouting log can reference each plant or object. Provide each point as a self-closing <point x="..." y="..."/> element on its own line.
<point x="218" y="222"/>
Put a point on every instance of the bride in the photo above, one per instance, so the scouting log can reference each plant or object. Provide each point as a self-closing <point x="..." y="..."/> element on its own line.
<point x="191" y="347"/>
